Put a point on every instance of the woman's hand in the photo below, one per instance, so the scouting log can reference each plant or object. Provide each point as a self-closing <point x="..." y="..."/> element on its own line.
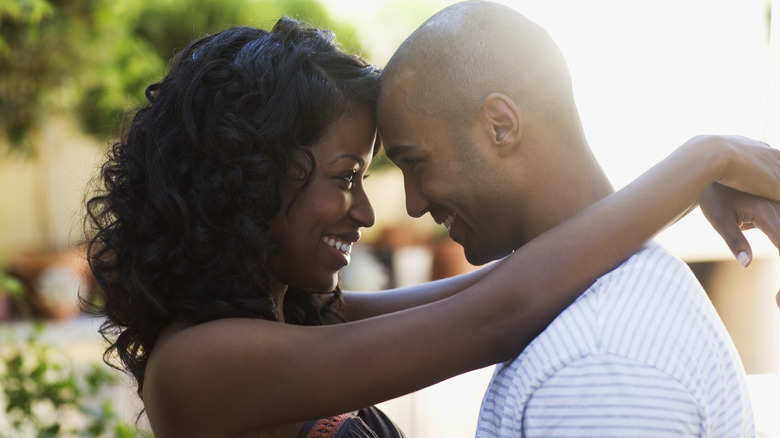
<point x="730" y="212"/>
<point x="747" y="165"/>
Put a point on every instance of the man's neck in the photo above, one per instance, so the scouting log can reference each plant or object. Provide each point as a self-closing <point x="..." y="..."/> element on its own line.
<point x="576" y="186"/>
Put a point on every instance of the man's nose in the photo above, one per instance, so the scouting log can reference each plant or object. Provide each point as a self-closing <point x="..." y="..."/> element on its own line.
<point x="416" y="202"/>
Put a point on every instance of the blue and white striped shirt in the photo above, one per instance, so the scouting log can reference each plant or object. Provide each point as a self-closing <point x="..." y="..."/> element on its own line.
<point x="641" y="353"/>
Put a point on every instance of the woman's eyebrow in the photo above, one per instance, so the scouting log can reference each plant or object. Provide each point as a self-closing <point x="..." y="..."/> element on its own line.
<point x="356" y="158"/>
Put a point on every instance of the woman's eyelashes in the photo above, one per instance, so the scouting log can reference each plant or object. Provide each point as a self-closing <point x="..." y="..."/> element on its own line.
<point x="347" y="179"/>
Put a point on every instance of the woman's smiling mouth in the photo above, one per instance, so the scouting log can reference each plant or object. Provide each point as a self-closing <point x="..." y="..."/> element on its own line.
<point x="345" y="247"/>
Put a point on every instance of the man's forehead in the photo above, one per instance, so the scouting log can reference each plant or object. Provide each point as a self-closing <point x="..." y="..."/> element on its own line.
<point x="404" y="78"/>
<point x="397" y="102"/>
<point x="398" y="122"/>
<point x="392" y="114"/>
<point x="398" y="128"/>
<point x="398" y="87"/>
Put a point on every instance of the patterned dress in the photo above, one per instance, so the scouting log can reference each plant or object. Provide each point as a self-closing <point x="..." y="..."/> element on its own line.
<point x="365" y="423"/>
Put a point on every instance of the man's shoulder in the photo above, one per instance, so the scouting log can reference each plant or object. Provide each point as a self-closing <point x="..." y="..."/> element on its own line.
<point x="639" y="308"/>
<point x="651" y="273"/>
<point x="652" y="285"/>
<point x="651" y="259"/>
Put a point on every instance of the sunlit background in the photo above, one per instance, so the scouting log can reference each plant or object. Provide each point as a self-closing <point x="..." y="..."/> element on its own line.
<point x="647" y="75"/>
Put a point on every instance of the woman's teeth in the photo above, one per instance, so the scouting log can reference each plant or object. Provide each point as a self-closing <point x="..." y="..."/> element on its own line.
<point x="344" y="247"/>
<point x="449" y="220"/>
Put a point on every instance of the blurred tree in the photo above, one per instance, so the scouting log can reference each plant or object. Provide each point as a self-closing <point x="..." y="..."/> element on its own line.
<point x="94" y="58"/>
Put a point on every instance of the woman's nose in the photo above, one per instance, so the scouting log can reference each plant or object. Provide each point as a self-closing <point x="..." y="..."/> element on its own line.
<point x="362" y="210"/>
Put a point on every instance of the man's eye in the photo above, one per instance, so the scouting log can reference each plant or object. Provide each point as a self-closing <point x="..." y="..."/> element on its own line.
<point x="411" y="163"/>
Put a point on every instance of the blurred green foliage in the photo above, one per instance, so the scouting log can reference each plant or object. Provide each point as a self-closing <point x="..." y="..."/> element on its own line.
<point x="94" y="58"/>
<point x="44" y="396"/>
<point x="10" y="285"/>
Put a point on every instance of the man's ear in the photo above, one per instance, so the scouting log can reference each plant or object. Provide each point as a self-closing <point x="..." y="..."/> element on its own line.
<point x="502" y="118"/>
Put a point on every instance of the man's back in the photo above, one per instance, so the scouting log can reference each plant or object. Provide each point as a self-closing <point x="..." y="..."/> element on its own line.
<point x="642" y="352"/>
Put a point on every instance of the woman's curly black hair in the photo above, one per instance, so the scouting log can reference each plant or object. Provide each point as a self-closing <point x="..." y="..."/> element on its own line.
<point x="179" y="225"/>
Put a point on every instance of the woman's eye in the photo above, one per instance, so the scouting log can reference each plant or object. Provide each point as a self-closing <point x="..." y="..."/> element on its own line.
<point x="348" y="179"/>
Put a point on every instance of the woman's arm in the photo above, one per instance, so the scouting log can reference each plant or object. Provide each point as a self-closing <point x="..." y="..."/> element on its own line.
<point x="728" y="210"/>
<point x="246" y="374"/>
<point x="361" y="305"/>
<point x="609" y="231"/>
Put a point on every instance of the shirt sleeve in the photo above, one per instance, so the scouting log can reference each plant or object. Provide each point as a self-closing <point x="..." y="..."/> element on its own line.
<point x="607" y="396"/>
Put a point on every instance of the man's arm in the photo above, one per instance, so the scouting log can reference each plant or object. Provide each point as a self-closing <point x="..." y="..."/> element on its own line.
<point x="611" y="396"/>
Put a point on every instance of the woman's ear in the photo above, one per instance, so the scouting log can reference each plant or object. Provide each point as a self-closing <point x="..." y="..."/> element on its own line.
<point x="502" y="117"/>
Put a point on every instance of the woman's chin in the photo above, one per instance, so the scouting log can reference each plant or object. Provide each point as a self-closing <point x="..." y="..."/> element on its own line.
<point x="323" y="286"/>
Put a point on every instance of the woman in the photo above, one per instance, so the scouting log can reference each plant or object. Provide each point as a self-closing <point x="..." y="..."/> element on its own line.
<point x="227" y="211"/>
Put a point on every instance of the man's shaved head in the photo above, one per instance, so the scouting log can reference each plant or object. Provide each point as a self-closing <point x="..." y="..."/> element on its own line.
<point x="474" y="48"/>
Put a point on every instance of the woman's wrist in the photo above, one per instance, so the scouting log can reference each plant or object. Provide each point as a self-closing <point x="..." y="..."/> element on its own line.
<point x="712" y="155"/>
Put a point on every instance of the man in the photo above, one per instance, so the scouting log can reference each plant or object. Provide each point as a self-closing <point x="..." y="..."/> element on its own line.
<point x="476" y="109"/>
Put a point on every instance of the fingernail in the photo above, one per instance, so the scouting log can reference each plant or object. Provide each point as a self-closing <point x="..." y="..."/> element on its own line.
<point x="743" y="259"/>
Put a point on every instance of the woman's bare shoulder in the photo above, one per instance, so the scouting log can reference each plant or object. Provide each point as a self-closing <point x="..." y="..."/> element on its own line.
<point x="184" y="348"/>
<point x="194" y="365"/>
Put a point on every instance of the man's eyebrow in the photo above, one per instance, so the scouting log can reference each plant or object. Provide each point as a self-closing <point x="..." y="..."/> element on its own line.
<point x="396" y="150"/>
<point x="357" y="159"/>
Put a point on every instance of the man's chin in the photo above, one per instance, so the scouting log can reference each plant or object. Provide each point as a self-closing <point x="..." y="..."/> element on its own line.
<point x="480" y="256"/>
